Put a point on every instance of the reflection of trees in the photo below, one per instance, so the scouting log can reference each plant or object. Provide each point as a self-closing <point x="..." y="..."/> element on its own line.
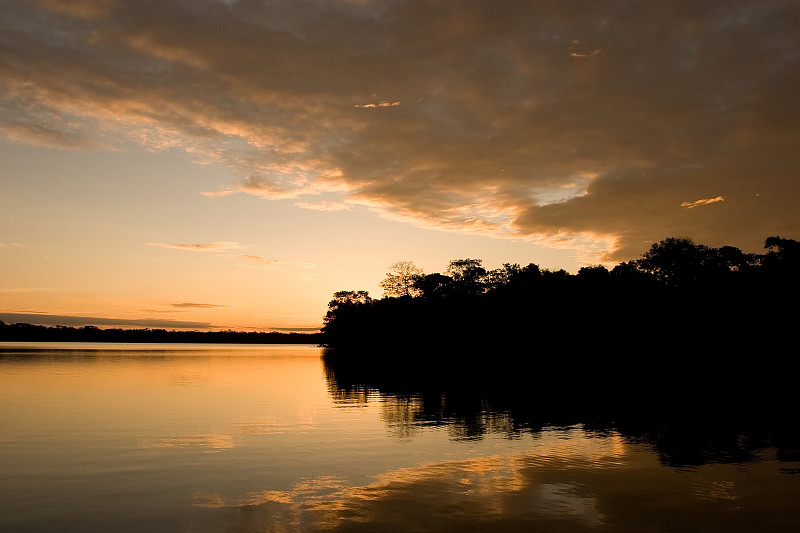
<point x="690" y="425"/>
<point x="688" y="348"/>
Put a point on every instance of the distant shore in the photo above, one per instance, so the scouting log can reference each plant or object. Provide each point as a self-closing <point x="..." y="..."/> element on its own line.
<point x="21" y="332"/>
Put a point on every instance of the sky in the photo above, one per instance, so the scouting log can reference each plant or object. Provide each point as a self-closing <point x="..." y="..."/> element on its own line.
<point x="229" y="164"/>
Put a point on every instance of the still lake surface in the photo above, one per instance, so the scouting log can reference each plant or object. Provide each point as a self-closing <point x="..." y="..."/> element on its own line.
<point x="196" y="438"/>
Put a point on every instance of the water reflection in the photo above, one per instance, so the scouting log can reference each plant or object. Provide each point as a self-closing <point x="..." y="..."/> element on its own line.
<point x="515" y="491"/>
<point x="684" y="426"/>
<point x="213" y="443"/>
<point x="196" y="439"/>
<point x="570" y="481"/>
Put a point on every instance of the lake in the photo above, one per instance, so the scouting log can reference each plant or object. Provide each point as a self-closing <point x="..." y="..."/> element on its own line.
<point x="229" y="438"/>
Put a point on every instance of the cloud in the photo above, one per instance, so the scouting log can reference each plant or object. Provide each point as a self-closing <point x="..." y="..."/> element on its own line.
<point x="502" y="109"/>
<point x="702" y="201"/>
<point x="28" y="289"/>
<point x="79" y="8"/>
<point x="256" y="261"/>
<point x="382" y="103"/>
<point x="197" y="306"/>
<point x="259" y="259"/>
<point x="223" y="249"/>
<point x="219" y="246"/>
<point x="325" y="206"/>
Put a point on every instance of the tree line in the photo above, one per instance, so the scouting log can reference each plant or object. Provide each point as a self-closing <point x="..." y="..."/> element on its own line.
<point x="678" y="295"/>
<point x="37" y="333"/>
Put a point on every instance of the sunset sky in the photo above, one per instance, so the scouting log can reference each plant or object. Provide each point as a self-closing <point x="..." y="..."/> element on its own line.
<point x="232" y="163"/>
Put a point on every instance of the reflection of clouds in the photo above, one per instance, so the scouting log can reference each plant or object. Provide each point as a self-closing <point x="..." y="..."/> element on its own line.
<point x="577" y="443"/>
<point x="190" y="377"/>
<point x="707" y="489"/>
<point x="564" y="499"/>
<point x="265" y="425"/>
<point x="214" y="442"/>
<point x="261" y="426"/>
<point x="505" y="488"/>
<point x="570" y="479"/>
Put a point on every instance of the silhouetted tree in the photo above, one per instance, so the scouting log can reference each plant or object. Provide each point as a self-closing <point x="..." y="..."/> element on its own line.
<point x="593" y="274"/>
<point x="783" y="247"/>
<point x="468" y="275"/>
<point x="783" y="255"/>
<point x="501" y="277"/>
<point x="555" y="276"/>
<point x="400" y="280"/>
<point x="435" y="285"/>
<point x="526" y="277"/>
<point x="676" y="261"/>
<point x="628" y="270"/>
<point x="731" y="259"/>
<point x="694" y="299"/>
<point x="512" y="277"/>
<point x="348" y="317"/>
<point x="344" y="300"/>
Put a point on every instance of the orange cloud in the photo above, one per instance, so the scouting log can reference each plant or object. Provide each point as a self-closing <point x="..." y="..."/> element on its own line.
<point x="219" y="246"/>
<point x="382" y="103"/>
<point x="197" y="306"/>
<point x="494" y="127"/>
<point x="702" y="201"/>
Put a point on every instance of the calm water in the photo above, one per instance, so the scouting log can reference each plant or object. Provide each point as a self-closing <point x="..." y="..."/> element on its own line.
<point x="185" y="438"/>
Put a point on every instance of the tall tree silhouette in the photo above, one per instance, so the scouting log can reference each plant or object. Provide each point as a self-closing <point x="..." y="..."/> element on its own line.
<point x="676" y="261"/>
<point x="400" y="280"/>
<point x="435" y="286"/>
<point x="468" y="275"/>
<point x="783" y="255"/>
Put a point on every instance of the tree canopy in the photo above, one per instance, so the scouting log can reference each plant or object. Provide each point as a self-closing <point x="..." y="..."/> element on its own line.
<point x="401" y="279"/>
<point x="468" y="303"/>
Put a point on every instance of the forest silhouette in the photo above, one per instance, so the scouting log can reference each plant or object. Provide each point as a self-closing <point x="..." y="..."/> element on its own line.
<point x="688" y="348"/>
<point x="677" y="295"/>
<point x="23" y="332"/>
<point x="684" y="316"/>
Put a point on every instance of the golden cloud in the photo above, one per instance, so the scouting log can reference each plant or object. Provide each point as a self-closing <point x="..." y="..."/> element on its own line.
<point x="501" y="109"/>
<point x="702" y="201"/>
<point x="218" y="246"/>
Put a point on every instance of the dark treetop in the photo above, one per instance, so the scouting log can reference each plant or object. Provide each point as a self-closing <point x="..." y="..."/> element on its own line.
<point x="689" y="348"/>
<point x="678" y="296"/>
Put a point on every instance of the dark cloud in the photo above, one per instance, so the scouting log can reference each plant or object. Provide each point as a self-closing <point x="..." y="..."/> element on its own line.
<point x="583" y="123"/>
